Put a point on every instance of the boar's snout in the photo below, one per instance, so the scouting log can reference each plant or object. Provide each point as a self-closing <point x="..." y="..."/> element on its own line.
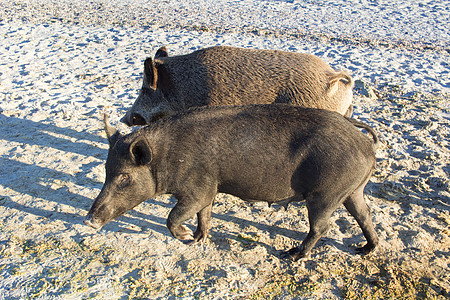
<point x="91" y="222"/>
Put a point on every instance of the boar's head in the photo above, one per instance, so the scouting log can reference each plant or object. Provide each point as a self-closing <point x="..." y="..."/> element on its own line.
<point x="151" y="104"/>
<point x="129" y="180"/>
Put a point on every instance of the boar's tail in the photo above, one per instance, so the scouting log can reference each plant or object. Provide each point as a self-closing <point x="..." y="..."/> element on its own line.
<point x="376" y="141"/>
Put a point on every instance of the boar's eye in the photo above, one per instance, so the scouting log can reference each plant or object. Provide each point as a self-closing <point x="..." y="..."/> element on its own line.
<point x="124" y="180"/>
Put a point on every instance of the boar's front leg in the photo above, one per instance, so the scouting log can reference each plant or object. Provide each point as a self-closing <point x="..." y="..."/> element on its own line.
<point x="185" y="209"/>
<point x="203" y="226"/>
<point x="180" y="213"/>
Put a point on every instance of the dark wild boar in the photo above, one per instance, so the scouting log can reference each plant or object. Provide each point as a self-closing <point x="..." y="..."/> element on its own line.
<point x="267" y="153"/>
<point x="236" y="76"/>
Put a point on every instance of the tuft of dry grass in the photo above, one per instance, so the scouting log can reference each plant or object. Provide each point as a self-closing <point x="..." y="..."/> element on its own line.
<point x="371" y="278"/>
<point x="395" y="279"/>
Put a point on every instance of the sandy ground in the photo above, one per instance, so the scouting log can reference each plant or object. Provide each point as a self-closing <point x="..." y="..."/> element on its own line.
<point x="63" y="64"/>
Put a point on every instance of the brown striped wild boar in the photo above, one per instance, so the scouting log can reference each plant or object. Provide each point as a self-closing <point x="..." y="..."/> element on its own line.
<point x="225" y="75"/>
<point x="274" y="153"/>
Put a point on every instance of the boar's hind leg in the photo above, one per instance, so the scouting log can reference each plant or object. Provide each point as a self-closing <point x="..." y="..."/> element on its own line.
<point x="358" y="208"/>
<point x="319" y="214"/>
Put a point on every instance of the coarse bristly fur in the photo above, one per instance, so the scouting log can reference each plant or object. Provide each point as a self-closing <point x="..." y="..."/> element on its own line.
<point x="225" y="75"/>
<point x="259" y="153"/>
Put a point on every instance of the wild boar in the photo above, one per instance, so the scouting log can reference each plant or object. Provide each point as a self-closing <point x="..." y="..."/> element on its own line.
<point x="235" y="76"/>
<point x="255" y="152"/>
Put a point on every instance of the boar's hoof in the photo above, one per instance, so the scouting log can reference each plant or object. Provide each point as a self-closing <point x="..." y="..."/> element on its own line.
<point x="365" y="250"/>
<point x="293" y="254"/>
<point x="137" y="119"/>
<point x="90" y="222"/>
<point x="182" y="233"/>
<point x="200" y="237"/>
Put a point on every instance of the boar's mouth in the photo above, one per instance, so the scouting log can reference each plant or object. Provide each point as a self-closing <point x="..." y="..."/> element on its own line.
<point x="157" y="116"/>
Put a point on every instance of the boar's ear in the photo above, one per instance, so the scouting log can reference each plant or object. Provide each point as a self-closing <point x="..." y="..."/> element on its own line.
<point x="162" y="52"/>
<point x="150" y="74"/>
<point x="140" y="151"/>
<point x="111" y="132"/>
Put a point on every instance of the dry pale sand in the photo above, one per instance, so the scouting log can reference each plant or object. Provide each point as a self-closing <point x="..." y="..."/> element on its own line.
<point x="59" y="71"/>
